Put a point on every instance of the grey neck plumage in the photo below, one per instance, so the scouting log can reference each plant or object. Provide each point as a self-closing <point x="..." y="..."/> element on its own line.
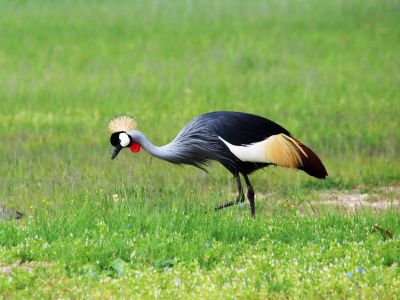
<point x="196" y="144"/>
<point x="164" y="152"/>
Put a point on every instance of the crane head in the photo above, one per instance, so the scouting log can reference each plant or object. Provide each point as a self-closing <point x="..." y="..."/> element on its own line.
<point x="119" y="126"/>
<point x="122" y="140"/>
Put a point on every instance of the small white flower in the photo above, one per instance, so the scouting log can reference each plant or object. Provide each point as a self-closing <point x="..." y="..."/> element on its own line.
<point x="115" y="197"/>
<point x="177" y="281"/>
<point x="157" y="293"/>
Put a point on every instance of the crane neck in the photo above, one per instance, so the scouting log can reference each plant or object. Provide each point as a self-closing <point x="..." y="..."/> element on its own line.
<point x="163" y="152"/>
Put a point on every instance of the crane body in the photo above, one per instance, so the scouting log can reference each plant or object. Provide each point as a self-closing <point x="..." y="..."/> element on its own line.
<point x="241" y="142"/>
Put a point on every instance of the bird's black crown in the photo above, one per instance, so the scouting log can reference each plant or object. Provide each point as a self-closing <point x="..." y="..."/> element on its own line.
<point x="114" y="139"/>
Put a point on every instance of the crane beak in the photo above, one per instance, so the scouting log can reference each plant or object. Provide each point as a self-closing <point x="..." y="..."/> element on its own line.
<point x="116" y="151"/>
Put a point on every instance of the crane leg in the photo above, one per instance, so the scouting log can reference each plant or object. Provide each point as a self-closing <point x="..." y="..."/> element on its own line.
<point x="239" y="198"/>
<point x="250" y="195"/>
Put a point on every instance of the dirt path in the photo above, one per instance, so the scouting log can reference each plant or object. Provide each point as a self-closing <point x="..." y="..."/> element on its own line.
<point x="380" y="198"/>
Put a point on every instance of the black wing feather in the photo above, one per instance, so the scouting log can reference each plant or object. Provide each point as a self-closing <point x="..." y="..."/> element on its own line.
<point x="242" y="128"/>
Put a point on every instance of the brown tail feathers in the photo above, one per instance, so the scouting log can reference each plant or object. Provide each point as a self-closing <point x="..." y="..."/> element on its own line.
<point x="310" y="162"/>
<point x="286" y="151"/>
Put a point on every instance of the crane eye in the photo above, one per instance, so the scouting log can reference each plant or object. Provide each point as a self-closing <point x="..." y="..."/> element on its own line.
<point x="124" y="139"/>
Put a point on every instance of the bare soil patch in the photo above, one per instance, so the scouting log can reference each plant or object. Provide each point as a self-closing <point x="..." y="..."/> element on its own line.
<point x="379" y="198"/>
<point x="19" y="264"/>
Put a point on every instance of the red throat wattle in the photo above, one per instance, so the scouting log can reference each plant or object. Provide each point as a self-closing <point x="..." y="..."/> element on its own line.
<point x="135" y="147"/>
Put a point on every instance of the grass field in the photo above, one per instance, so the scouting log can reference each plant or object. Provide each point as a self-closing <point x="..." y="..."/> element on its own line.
<point x="135" y="227"/>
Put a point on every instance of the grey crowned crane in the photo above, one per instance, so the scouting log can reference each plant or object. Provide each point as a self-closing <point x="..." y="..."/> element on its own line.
<point x="241" y="142"/>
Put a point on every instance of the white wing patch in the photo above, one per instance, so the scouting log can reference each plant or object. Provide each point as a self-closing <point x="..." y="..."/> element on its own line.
<point x="253" y="153"/>
<point x="278" y="149"/>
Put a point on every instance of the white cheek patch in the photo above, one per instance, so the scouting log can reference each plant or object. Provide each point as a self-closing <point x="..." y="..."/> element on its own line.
<point x="124" y="138"/>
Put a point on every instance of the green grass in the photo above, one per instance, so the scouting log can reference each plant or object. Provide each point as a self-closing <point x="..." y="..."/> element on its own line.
<point x="327" y="71"/>
<point x="128" y="250"/>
